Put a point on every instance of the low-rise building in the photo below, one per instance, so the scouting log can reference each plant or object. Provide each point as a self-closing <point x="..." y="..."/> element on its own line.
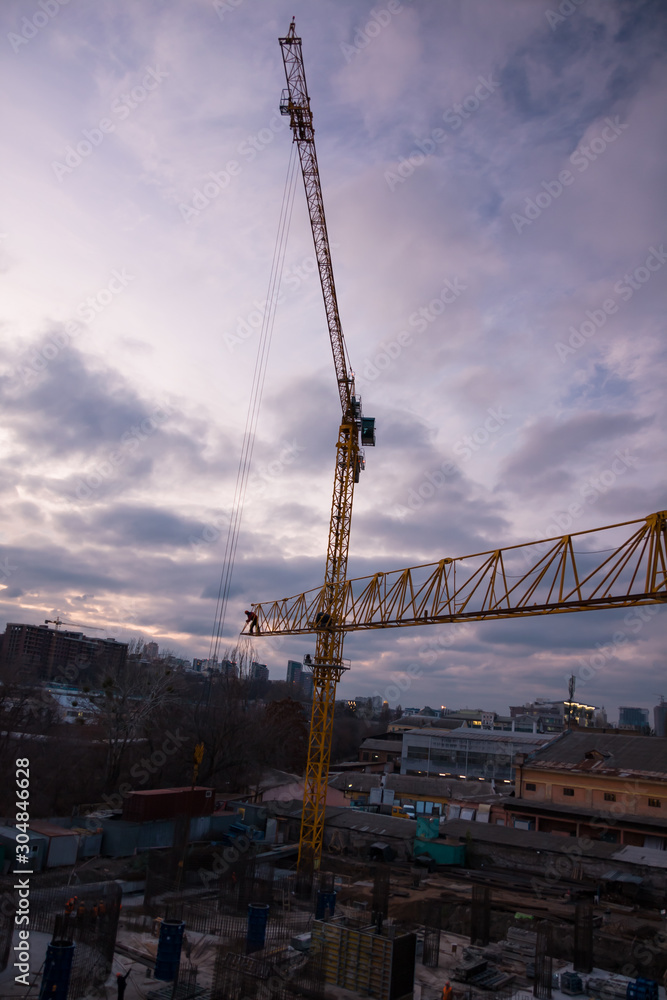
<point x="466" y="753"/>
<point x="427" y="796"/>
<point x="553" y="716"/>
<point x="601" y="786"/>
<point x="471" y="718"/>
<point x="384" y="748"/>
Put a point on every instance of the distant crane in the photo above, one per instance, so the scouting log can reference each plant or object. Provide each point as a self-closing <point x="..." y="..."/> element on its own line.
<point x="58" y="622"/>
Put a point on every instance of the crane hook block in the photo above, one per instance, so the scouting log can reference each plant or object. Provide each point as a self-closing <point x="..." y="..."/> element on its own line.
<point x="368" y="432"/>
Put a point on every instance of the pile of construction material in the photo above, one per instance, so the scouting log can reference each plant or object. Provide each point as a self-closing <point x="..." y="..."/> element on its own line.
<point x="571" y="984"/>
<point x="618" y="988"/>
<point x="475" y="970"/>
<point x="516" y="954"/>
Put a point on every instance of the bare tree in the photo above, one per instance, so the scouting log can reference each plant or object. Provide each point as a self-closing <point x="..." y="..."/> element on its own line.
<point x="134" y="695"/>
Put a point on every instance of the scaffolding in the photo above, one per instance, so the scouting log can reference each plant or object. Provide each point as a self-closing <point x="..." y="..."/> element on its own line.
<point x="543" y="961"/>
<point x="583" y="937"/>
<point x="432" y="922"/>
<point x="480" y="915"/>
<point x="87" y="916"/>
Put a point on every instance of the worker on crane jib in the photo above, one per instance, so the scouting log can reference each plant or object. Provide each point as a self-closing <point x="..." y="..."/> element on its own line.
<point x="251" y="619"/>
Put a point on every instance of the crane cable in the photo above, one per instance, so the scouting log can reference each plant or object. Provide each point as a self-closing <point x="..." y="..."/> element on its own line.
<point x="259" y="374"/>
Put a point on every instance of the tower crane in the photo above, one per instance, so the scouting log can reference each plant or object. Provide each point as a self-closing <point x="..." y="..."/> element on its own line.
<point x="58" y="622"/>
<point x="549" y="576"/>
<point x="328" y="665"/>
<point x="546" y="577"/>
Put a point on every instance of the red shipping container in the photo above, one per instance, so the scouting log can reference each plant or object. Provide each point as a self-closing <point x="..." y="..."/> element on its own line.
<point x="167" y="803"/>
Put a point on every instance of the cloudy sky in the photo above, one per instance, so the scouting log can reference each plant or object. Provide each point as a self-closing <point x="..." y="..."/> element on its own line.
<point x="493" y="176"/>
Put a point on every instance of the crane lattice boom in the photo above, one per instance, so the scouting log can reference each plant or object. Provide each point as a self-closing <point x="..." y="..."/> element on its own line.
<point x="617" y="566"/>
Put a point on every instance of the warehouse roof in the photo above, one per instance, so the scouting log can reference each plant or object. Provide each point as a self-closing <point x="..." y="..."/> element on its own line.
<point x="536" y="841"/>
<point x="391" y="746"/>
<point x="604" y="753"/>
<point x="378" y="825"/>
<point x="583" y="811"/>
<point x="410" y="784"/>
<point x="494" y="735"/>
<point x="507" y="835"/>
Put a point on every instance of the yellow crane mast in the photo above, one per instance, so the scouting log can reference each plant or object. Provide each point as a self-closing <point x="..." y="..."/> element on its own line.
<point x="328" y="665"/>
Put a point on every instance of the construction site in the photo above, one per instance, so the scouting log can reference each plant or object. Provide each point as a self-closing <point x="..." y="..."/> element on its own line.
<point x="250" y="926"/>
<point x="228" y="917"/>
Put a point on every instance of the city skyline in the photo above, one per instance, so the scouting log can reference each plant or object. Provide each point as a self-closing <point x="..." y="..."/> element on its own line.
<point x="493" y="180"/>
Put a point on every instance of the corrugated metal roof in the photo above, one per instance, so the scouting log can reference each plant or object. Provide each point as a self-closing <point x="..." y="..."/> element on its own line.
<point x="584" y="811"/>
<point x="378" y="825"/>
<point x="642" y="856"/>
<point x="495" y="735"/>
<point x="532" y="839"/>
<point x="410" y="784"/>
<point x="623" y="756"/>
<point x="616" y="876"/>
<point x="10" y="833"/>
<point x="393" y="746"/>
<point x="50" y="829"/>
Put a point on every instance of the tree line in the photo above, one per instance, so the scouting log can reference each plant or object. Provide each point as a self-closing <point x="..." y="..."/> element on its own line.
<point x="148" y="721"/>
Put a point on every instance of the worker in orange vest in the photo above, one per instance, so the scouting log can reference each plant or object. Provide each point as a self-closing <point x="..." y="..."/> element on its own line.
<point x="447" y="991"/>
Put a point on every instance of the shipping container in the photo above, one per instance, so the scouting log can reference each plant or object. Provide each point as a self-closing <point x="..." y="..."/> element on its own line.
<point x="168" y="803"/>
<point x="37" y="848"/>
<point x="63" y="844"/>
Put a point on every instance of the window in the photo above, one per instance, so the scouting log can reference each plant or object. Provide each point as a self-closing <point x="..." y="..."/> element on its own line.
<point x="568" y="791"/>
<point x="654" y="803"/>
<point x="531" y="787"/>
<point x="609" y="797"/>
